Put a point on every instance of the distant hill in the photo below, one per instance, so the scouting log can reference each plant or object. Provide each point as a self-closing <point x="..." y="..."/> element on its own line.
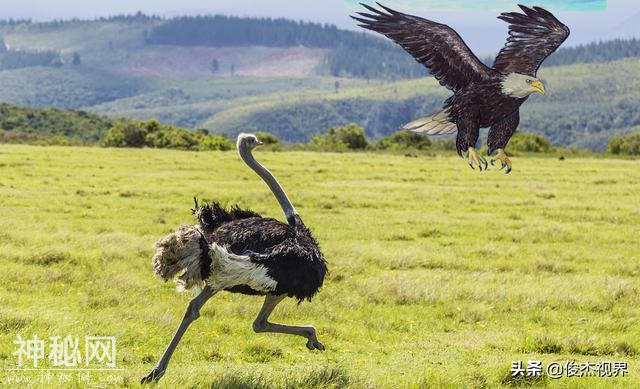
<point x="18" y="124"/>
<point x="351" y="54"/>
<point x="596" y="52"/>
<point x="294" y="79"/>
<point x="584" y="106"/>
<point x="142" y="46"/>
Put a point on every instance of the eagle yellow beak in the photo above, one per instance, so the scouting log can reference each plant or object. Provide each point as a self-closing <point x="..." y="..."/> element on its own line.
<point x="538" y="86"/>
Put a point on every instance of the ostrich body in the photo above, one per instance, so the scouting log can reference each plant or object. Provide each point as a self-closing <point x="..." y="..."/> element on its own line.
<point x="242" y="252"/>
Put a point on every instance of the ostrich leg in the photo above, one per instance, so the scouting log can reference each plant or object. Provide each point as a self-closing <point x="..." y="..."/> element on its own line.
<point x="192" y="313"/>
<point x="262" y="324"/>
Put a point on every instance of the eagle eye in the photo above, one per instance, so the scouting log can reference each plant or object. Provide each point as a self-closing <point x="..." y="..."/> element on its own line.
<point x="529" y="81"/>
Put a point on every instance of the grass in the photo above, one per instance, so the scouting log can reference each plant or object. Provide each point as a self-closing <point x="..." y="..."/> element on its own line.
<point x="440" y="276"/>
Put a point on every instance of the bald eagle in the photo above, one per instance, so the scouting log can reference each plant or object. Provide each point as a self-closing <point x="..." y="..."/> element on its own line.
<point x="482" y="96"/>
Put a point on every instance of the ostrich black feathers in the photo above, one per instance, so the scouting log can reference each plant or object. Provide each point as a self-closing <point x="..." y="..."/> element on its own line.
<point x="288" y="251"/>
<point x="212" y="215"/>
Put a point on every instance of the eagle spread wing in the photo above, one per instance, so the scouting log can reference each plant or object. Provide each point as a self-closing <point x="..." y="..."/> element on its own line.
<point x="533" y="36"/>
<point x="435" y="45"/>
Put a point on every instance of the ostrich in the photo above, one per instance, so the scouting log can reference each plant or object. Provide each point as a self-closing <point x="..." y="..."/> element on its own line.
<point x="242" y="252"/>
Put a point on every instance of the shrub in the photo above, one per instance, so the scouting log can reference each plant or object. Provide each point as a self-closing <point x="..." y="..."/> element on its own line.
<point x="216" y="142"/>
<point x="125" y="134"/>
<point x="445" y="144"/>
<point x="350" y="136"/>
<point x="151" y="133"/>
<point x="402" y="140"/>
<point x="267" y="138"/>
<point x="528" y="142"/>
<point x="625" y="145"/>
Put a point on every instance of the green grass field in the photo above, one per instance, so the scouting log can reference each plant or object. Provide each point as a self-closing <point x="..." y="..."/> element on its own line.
<point x="440" y="276"/>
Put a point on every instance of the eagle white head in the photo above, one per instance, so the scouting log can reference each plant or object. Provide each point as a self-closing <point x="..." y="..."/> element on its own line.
<point x="521" y="85"/>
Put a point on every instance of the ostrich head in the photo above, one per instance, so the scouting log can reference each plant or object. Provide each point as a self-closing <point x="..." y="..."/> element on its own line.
<point x="247" y="142"/>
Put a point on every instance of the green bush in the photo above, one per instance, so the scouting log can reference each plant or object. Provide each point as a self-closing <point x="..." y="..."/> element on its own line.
<point x="528" y="142"/>
<point x="153" y="134"/>
<point x="125" y="134"/>
<point x="445" y="144"/>
<point x="267" y="138"/>
<point x="350" y="137"/>
<point x="216" y="142"/>
<point x="625" y="145"/>
<point x="403" y="140"/>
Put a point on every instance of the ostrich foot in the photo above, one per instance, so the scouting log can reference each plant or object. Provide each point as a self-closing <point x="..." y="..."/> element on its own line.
<point x="314" y="344"/>
<point x="504" y="160"/>
<point x="475" y="158"/>
<point x="312" y="340"/>
<point x="154" y="376"/>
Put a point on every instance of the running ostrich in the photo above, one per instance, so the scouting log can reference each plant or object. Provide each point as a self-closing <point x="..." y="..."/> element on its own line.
<point x="242" y="252"/>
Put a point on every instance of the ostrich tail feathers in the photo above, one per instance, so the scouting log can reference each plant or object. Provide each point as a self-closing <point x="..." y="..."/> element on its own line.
<point x="212" y="215"/>
<point x="182" y="255"/>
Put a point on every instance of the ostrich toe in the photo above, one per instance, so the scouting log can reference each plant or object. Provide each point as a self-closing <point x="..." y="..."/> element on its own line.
<point x="154" y="376"/>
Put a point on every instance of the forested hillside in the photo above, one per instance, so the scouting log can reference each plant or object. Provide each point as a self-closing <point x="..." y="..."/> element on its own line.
<point x="584" y="106"/>
<point x="234" y="31"/>
<point x="353" y="54"/>
<point x="349" y="53"/>
<point x="19" y="124"/>
<point x="356" y="54"/>
<point x="596" y="52"/>
<point x="15" y="59"/>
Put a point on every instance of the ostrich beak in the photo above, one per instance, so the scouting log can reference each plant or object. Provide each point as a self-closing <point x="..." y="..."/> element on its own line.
<point x="259" y="142"/>
<point x="538" y="86"/>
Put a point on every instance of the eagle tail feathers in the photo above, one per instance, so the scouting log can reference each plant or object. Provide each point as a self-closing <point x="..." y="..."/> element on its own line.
<point x="436" y="124"/>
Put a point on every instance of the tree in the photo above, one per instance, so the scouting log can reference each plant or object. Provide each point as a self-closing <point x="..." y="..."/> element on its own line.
<point x="350" y="136"/>
<point x="625" y="145"/>
<point x="214" y="66"/>
<point x="402" y="140"/>
<point x="267" y="138"/>
<point x="528" y="142"/>
<point x="127" y="134"/>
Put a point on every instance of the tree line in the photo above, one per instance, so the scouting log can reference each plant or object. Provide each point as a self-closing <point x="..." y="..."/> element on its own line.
<point x="32" y="125"/>
<point x="595" y="52"/>
<point x="353" y="54"/>
<point x="220" y="31"/>
<point x="15" y="59"/>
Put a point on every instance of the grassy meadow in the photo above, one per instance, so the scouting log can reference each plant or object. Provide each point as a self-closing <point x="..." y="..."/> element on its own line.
<point x="441" y="276"/>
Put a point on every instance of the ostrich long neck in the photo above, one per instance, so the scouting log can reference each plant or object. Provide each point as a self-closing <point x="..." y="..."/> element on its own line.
<point x="270" y="180"/>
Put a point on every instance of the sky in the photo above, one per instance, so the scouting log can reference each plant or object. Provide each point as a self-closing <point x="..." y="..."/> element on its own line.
<point x="475" y="20"/>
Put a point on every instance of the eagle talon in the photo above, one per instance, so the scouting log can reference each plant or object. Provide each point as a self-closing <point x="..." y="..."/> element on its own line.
<point x="475" y="158"/>
<point x="504" y="160"/>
